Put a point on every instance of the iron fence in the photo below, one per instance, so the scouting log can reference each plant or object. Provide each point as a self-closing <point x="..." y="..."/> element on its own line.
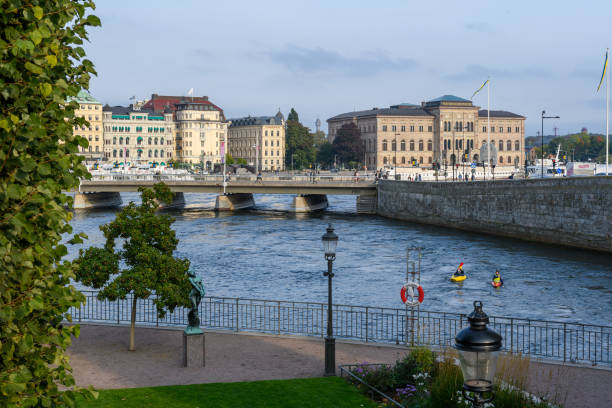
<point x="569" y="342"/>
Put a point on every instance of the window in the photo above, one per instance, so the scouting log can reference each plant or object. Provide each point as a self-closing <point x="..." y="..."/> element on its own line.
<point x="420" y="146"/>
<point x="127" y="153"/>
<point x="517" y="145"/>
<point x="403" y="146"/>
<point x="120" y="153"/>
<point x="421" y="159"/>
<point x="394" y="128"/>
<point x="384" y="128"/>
<point x="420" y="128"/>
<point x="150" y="153"/>
<point x="429" y="128"/>
<point x="384" y="145"/>
<point x="115" y="140"/>
<point x="429" y="145"/>
<point x="412" y="128"/>
<point x="278" y="143"/>
<point x="384" y="160"/>
<point x="403" y="160"/>
<point x="127" y="140"/>
<point x="393" y="145"/>
<point x="429" y="160"/>
<point x="403" y="128"/>
<point x="509" y="129"/>
<point x="501" y="159"/>
<point x="501" y="145"/>
<point x="484" y="129"/>
<point x="412" y="145"/>
<point x="501" y="129"/>
<point x="517" y="129"/>
<point x="509" y="160"/>
<point x="394" y="160"/>
<point x="492" y="129"/>
<point x="509" y="145"/>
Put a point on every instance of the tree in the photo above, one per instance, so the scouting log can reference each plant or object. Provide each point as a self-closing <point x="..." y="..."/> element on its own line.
<point x="348" y="145"/>
<point x="325" y="155"/>
<point x="229" y="159"/>
<point x="299" y="143"/>
<point x="42" y="65"/>
<point x="147" y="253"/>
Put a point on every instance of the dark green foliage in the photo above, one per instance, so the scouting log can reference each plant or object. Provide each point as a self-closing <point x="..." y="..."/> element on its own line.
<point x="329" y="392"/>
<point x="325" y="154"/>
<point x="582" y="146"/>
<point x="299" y="143"/>
<point x="148" y="244"/>
<point x="42" y="65"/>
<point x="447" y="382"/>
<point x="348" y="145"/>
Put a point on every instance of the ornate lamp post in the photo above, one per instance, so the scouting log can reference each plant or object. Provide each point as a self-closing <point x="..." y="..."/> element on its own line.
<point x="330" y="241"/>
<point x="478" y="348"/>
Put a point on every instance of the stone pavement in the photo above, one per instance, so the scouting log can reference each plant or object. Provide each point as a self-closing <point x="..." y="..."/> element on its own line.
<point x="100" y="357"/>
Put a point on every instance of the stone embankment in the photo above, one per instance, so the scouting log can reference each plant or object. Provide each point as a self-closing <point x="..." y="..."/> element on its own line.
<point x="574" y="212"/>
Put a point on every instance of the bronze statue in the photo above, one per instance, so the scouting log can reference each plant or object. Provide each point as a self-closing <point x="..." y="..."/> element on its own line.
<point x="195" y="297"/>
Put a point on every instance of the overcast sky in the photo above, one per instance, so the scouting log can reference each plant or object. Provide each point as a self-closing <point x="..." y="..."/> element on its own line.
<point x="330" y="57"/>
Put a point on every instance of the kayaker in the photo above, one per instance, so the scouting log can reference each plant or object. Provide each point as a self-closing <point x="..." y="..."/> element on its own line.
<point x="459" y="271"/>
<point x="497" y="277"/>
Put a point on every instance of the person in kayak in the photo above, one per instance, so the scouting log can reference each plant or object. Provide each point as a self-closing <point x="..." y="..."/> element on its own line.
<point x="497" y="278"/>
<point x="459" y="271"/>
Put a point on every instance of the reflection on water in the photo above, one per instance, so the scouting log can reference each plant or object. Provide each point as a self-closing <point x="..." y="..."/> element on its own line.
<point x="271" y="253"/>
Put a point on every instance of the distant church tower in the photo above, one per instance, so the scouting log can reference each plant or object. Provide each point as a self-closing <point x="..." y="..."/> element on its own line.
<point x="318" y="125"/>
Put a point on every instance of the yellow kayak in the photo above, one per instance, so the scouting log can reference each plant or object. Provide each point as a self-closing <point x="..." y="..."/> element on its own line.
<point x="459" y="278"/>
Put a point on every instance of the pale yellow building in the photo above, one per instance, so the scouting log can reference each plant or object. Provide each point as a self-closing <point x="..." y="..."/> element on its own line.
<point x="91" y="110"/>
<point x="138" y="136"/>
<point x="434" y="132"/>
<point x="201" y="131"/>
<point x="259" y="140"/>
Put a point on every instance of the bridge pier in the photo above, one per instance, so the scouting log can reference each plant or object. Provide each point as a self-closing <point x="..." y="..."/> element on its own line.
<point x="309" y="202"/>
<point x="367" y="204"/>
<point x="177" y="202"/>
<point x="234" y="202"/>
<point x="96" y="200"/>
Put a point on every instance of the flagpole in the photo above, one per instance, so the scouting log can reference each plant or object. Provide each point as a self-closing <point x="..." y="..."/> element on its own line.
<point x="488" y="125"/>
<point x="607" y="113"/>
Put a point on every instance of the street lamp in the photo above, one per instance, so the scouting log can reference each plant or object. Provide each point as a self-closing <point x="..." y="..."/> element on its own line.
<point x="478" y="348"/>
<point x="330" y="241"/>
<point x="545" y="117"/>
<point x="395" y="160"/>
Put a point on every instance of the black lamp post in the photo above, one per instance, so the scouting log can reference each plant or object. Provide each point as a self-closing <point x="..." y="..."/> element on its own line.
<point x="330" y="241"/>
<point x="545" y="117"/>
<point x="478" y="348"/>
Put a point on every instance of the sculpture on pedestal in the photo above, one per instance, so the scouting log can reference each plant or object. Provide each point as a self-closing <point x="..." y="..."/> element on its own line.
<point x="195" y="297"/>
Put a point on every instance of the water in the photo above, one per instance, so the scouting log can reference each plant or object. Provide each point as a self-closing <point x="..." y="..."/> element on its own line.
<point x="270" y="253"/>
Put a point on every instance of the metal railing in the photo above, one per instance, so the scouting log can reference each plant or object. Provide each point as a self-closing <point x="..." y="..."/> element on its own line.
<point x="568" y="342"/>
<point x="233" y="178"/>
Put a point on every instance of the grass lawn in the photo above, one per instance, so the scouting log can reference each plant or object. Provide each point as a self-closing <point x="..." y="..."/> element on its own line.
<point x="311" y="392"/>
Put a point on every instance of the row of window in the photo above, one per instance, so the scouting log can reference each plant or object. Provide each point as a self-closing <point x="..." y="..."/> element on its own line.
<point x="517" y="129"/>
<point x="129" y="129"/>
<point x="85" y="127"/>
<point x="139" y="140"/>
<point x="403" y="145"/>
<point x="128" y="117"/>
<point x="95" y="107"/>
<point x="120" y="153"/>
<point x="459" y="126"/>
<point x="90" y="149"/>
<point x="412" y="161"/>
<point x="448" y="145"/>
<point x="403" y="128"/>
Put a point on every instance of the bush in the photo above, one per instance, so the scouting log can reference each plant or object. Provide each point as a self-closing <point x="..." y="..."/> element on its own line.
<point x="404" y="371"/>
<point x="424" y="358"/>
<point x="447" y="382"/>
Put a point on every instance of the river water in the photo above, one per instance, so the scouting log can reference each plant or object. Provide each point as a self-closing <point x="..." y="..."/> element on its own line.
<point x="271" y="253"/>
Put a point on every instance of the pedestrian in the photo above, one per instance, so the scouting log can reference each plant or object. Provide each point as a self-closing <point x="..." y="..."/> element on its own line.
<point x="472" y="176"/>
<point x="259" y="178"/>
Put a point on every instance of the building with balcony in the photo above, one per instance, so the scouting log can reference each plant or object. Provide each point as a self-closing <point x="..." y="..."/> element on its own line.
<point x="443" y="130"/>
<point x="90" y="109"/>
<point x="201" y="132"/>
<point x="259" y="140"/>
<point x="137" y="136"/>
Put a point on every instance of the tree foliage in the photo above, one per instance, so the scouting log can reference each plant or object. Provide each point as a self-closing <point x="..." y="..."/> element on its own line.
<point x="42" y="65"/>
<point x="325" y="154"/>
<point x="299" y="143"/>
<point x="583" y="146"/>
<point x="147" y="253"/>
<point x="347" y="145"/>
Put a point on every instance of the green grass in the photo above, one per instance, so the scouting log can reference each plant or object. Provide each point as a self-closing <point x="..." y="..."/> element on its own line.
<point x="312" y="392"/>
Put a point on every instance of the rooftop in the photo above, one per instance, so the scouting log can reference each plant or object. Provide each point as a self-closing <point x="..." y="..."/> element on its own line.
<point x="391" y="111"/>
<point x="278" y="119"/>
<point x="84" y="97"/>
<point x="499" y="114"/>
<point x="159" y="103"/>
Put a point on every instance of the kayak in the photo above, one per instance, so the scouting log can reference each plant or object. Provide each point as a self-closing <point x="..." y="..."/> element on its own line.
<point x="459" y="278"/>
<point x="496" y="284"/>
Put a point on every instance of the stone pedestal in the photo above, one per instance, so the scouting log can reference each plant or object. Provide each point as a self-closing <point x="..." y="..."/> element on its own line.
<point x="304" y="203"/>
<point x="194" y="350"/>
<point x="96" y="200"/>
<point x="234" y="202"/>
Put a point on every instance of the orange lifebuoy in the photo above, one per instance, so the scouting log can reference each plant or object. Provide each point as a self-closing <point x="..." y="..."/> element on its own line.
<point x="419" y="288"/>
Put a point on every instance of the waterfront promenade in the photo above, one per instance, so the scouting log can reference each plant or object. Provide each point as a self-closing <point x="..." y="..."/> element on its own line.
<point x="100" y="357"/>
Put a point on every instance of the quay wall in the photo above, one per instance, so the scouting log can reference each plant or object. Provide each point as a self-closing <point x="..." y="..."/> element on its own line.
<point x="574" y="212"/>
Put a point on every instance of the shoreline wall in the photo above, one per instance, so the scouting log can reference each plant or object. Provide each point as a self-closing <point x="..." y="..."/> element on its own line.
<point x="575" y="212"/>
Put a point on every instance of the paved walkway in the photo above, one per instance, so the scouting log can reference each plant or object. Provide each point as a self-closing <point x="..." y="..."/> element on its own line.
<point x="100" y="357"/>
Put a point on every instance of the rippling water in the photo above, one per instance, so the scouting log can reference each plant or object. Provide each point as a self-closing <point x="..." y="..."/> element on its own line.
<point x="270" y="253"/>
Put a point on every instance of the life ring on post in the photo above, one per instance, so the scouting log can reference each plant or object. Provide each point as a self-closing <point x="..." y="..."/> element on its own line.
<point x="408" y="296"/>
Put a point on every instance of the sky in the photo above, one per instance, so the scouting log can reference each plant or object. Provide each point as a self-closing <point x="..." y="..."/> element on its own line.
<point x="329" y="57"/>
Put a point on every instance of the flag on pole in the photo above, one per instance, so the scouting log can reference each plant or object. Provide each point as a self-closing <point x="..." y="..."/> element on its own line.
<point x="478" y="90"/>
<point x="190" y="92"/>
<point x="603" y="73"/>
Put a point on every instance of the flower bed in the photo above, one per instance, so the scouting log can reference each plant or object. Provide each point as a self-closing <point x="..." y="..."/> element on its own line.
<point x="425" y="379"/>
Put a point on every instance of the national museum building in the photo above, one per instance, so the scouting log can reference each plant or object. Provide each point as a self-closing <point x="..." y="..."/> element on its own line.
<point x="433" y="132"/>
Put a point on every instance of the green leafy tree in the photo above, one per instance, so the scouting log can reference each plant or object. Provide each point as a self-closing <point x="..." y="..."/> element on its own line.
<point x="42" y="66"/>
<point x="348" y="145"/>
<point x="229" y="159"/>
<point x="325" y="154"/>
<point x="299" y="143"/>
<point x="147" y="253"/>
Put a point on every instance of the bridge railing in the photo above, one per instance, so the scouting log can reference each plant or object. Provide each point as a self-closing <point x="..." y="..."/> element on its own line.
<point x="233" y="178"/>
<point x="568" y="342"/>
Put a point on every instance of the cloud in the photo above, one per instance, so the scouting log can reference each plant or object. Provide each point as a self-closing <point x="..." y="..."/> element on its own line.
<point x="478" y="27"/>
<point x="473" y="72"/>
<point x="316" y="61"/>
